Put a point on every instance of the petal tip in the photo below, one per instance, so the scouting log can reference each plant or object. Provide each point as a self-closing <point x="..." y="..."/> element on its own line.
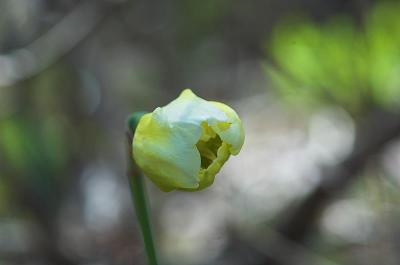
<point x="187" y="92"/>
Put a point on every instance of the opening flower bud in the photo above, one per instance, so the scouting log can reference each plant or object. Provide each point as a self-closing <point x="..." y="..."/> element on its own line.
<point x="184" y="144"/>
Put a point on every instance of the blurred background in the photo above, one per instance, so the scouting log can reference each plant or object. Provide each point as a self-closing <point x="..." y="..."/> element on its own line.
<point x="316" y="83"/>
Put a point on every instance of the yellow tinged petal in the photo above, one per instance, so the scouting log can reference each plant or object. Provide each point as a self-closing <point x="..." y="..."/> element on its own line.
<point x="167" y="154"/>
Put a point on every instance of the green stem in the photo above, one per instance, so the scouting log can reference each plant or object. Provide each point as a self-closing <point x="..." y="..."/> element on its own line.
<point x="138" y="192"/>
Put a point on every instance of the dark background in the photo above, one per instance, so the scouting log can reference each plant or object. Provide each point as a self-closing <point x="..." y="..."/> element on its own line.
<point x="316" y="83"/>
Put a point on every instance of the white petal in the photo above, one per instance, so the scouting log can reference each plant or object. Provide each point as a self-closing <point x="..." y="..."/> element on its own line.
<point x="189" y="108"/>
<point x="234" y="135"/>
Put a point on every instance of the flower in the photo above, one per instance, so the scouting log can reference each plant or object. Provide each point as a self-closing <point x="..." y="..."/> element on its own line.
<point x="184" y="144"/>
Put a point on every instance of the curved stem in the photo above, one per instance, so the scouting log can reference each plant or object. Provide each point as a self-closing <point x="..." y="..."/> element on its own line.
<point x="138" y="191"/>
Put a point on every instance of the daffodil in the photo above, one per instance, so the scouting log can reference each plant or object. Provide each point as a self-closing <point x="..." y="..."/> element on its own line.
<point x="184" y="144"/>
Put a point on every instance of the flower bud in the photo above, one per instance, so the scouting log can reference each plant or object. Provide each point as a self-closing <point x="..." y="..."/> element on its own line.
<point x="184" y="144"/>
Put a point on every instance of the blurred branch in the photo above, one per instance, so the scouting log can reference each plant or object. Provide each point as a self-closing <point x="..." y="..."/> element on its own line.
<point x="380" y="128"/>
<point x="249" y="248"/>
<point x="286" y="251"/>
<point x="31" y="60"/>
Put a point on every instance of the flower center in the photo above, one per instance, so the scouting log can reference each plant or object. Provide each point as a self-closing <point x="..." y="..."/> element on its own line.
<point x="213" y="153"/>
<point x="208" y="145"/>
<point x="208" y="150"/>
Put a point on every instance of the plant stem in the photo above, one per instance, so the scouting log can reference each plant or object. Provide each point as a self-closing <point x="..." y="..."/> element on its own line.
<point x="138" y="191"/>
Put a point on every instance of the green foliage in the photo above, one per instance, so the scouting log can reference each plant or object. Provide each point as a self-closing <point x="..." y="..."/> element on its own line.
<point x="30" y="148"/>
<point x="32" y="154"/>
<point x="338" y="63"/>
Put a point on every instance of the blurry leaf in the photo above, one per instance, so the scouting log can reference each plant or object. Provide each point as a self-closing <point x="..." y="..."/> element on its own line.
<point x="383" y="37"/>
<point x="336" y="63"/>
<point x="289" y="89"/>
<point x="11" y="144"/>
<point x="33" y="153"/>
